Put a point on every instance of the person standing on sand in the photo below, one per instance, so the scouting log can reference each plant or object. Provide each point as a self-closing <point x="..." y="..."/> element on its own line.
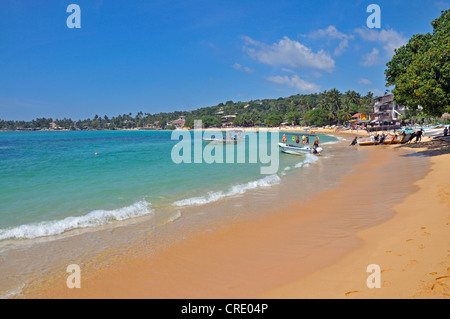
<point x="354" y="142"/>
<point x="411" y="137"/>
<point x="419" y="136"/>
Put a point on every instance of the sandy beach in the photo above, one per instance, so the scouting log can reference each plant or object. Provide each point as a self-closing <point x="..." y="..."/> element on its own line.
<point x="412" y="250"/>
<point x="274" y="257"/>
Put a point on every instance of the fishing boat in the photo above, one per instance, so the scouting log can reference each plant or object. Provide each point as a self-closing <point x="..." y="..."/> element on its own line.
<point x="230" y="137"/>
<point x="370" y="140"/>
<point x="396" y="139"/>
<point x="432" y="132"/>
<point x="298" y="144"/>
<point x="223" y="140"/>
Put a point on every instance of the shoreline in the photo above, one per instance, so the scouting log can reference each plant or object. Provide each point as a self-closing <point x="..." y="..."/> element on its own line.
<point x="224" y="270"/>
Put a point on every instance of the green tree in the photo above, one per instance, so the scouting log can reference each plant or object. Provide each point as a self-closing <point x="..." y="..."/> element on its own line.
<point x="274" y="120"/>
<point x="420" y="70"/>
<point x="293" y="117"/>
<point x="211" y="121"/>
<point x="318" y="117"/>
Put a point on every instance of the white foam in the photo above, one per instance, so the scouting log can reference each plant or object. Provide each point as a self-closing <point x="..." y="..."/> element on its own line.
<point x="234" y="190"/>
<point x="94" y="218"/>
<point x="174" y="217"/>
<point x="310" y="159"/>
<point x="283" y="172"/>
<point x="330" y="142"/>
<point x="13" y="293"/>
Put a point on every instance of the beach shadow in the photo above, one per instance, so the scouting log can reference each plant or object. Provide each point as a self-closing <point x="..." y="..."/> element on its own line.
<point x="431" y="148"/>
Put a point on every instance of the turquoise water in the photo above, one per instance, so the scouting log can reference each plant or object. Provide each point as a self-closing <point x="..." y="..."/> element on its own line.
<point x="52" y="182"/>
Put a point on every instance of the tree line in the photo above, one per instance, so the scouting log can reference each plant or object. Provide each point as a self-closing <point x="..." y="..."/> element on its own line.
<point x="328" y="107"/>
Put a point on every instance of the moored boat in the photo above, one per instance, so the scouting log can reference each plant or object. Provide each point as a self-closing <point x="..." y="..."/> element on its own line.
<point x="233" y="137"/>
<point x="300" y="144"/>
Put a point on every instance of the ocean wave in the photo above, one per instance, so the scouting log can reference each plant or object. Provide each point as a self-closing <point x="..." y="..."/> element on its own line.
<point x="310" y="159"/>
<point x="174" y="217"/>
<point x="283" y="172"/>
<point x="331" y="142"/>
<point x="13" y="293"/>
<point x="234" y="190"/>
<point x="94" y="218"/>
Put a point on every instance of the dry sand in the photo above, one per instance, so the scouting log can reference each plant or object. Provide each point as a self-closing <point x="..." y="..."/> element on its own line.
<point x="412" y="250"/>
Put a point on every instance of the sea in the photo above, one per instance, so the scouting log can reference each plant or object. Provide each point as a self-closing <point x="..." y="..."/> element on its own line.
<point x="55" y="184"/>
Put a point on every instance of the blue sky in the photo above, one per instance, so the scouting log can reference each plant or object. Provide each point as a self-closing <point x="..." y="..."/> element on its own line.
<point x="162" y="56"/>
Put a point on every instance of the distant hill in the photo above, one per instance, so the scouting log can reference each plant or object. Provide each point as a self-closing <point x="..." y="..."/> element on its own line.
<point x="328" y="107"/>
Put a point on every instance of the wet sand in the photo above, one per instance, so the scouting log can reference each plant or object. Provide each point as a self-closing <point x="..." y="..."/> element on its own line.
<point x="318" y="248"/>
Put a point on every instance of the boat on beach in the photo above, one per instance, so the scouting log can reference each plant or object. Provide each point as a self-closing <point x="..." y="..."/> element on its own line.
<point x="299" y="144"/>
<point x="396" y="139"/>
<point x="389" y="139"/>
<point x="367" y="141"/>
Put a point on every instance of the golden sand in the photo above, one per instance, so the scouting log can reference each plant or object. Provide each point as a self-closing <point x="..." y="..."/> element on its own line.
<point x="412" y="250"/>
<point x="272" y="258"/>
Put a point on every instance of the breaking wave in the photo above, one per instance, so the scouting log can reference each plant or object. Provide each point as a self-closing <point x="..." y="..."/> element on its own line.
<point x="92" y="219"/>
<point x="234" y="190"/>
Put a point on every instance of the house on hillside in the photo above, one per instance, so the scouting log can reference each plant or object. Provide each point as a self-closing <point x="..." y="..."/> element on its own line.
<point x="227" y="120"/>
<point x="179" y="123"/>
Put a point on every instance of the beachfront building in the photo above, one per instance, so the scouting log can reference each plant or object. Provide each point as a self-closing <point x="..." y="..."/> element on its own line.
<point x="179" y="123"/>
<point x="385" y="111"/>
<point x="220" y="112"/>
<point x="155" y="126"/>
<point x="359" y="117"/>
<point x="227" y="120"/>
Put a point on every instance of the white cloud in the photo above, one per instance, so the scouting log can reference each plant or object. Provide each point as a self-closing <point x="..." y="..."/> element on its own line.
<point x="341" y="48"/>
<point x="294" y="82"/>
<point x="389" y="39"/>
<point x="372" y="58"/>
<point x="237" y="66"/>
<point x="365" y="81"/>
<point x="442" y="5"/>
<point x="333" y="33"/>
<point x="287" y="70"/>
<point x="290" y="53"/>
<point x="377" y="92"/>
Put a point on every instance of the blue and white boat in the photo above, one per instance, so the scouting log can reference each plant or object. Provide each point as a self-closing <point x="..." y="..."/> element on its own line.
<point x="298" y="144"/>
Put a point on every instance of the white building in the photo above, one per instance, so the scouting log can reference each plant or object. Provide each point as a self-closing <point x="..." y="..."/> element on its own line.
<point x="385" y="110"/>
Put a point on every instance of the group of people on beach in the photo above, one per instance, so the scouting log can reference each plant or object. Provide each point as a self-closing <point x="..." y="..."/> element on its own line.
<point x="379" y="139"/>
<point x="417" y="135"/>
